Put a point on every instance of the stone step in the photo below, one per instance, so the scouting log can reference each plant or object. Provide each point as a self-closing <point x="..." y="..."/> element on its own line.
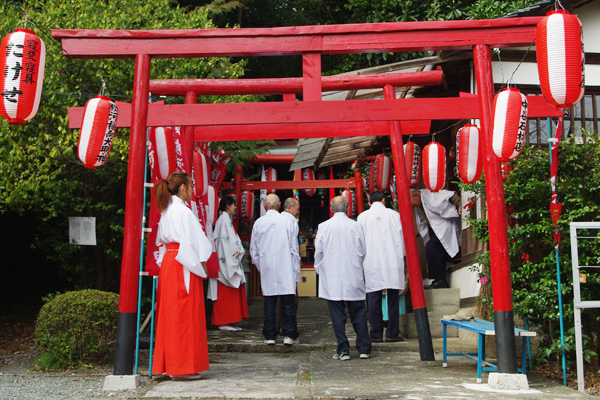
<point x="439" y="302"/>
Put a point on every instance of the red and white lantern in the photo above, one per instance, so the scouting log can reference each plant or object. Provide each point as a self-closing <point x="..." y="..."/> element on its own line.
<point x="200" y="174"/>
<point x="21" y="75"/>
<point x="509" y="116"/>
<point x="271" y="175"/>
<point x="560" y="58"/>
<point x="213" y="205"/>
<point x="468" y="154"/>
<point x="162" y="152"/>
<point x="308" y="175"/>
<point x="247" y="206"/>
<point x="351" y="197"/>
<point x="434" y="166"/>
<point x="380" y="173"/>
<point x="97" y="131"/>
<point x="412" y="159"/>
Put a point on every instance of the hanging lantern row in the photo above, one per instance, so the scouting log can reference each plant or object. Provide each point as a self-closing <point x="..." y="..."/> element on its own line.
<point x="22" y="61"/>
<point x="560" y="58"/>
<point x="162" y="151"/>
<point x="308" y="175"/>
<point x="351" y="197"/>
<point x="271" y="175"/>
<point x="412" y="159"/>
<point x="97" y="131"/>
<point x="434" y="166"/>
<point x="509" y="116"/>
<point x="200" y="169"/>
<point x="469" y="161"/>
<point x="247" y="206"/>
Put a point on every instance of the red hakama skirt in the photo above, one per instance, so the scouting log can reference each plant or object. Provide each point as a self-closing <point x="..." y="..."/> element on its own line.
<point x="231" y="305"/>
<point x="181" y="343"/>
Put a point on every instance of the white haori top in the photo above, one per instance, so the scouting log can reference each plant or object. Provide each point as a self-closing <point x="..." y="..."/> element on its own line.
<point x="293" y="230"/>
<point x="339" y="254"/>
<point x="443" y="218"/>
<point x="178" y="224"/>
<point x="384" y="261"/>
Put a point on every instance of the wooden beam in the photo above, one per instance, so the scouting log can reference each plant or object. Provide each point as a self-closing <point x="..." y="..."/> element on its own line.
<point x="283" y="185"/>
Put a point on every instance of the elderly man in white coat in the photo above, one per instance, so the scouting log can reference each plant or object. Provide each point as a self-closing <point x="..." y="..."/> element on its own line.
<point x="339" y="254"/>
<point x="384" y="266"/>
<point x="271" y="253"/>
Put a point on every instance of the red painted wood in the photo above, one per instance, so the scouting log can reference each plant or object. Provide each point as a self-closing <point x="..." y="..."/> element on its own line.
<point x="188" y="131"/>
<point x="272" y="159"/>
<point x="289" y="97"/>
<point x="135" y="189"/>
<point x="222" y="133"/>
<point x="179" y="87"/>
<point x="332" y="39"/>
<point x="405" y="210"/>
<point x="298" y="184"/>
<point x="311" y="77"/>
<point x="358" y="182"/>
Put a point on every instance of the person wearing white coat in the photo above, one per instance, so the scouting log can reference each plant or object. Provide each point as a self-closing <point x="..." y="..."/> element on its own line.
<point x="384" y="266"/>
<point x="271" y="253"/>
<point x="339" y="254"/>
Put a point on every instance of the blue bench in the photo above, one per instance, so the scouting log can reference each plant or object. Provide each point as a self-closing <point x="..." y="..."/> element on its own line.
<point x="483" y="328"/>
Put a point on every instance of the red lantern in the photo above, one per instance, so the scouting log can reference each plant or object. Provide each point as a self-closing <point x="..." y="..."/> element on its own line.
<point x="97" y="131"/>
<point x="247" y="206"/>
<point x="161" y="154"/>
<point x="22" y="75"/>
<point x="380" y="173"/>
<point x="200" y="174"/>
<point x="560" y="58"/>
<point x="434" y="166"/>
<point x="412" y="159"/>
<point x="213" y="205"/>
<point x="271" y="175"/>
<point x="308" y="175"/>
<point x="468" y="154"/>
<point x="509" y="116"/>
<point x="351" y="197"/>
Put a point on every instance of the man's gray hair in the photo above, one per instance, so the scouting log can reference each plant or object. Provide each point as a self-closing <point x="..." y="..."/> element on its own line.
<point x="339" y="204"/>
<point x="272" y="201"/>
<point x="290" y="201"/>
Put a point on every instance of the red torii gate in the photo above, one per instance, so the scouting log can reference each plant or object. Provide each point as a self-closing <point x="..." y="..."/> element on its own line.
<point x="311" y="42"/>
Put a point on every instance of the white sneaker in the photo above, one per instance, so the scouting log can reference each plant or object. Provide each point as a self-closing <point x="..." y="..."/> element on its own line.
<point x="270" y="342"/>
<point x="288" y="341"/>
<point x="344" y="356"/>
<point x="365" y="356"/>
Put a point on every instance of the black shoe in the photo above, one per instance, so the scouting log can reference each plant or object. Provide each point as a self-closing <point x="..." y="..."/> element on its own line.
<point x="376" y="340"/>
<point x="396" y="339"/>
<point x="437" y="284"/>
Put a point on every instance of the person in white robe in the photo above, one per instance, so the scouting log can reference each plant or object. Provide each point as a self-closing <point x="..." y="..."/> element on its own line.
<point x="384" y="266"/>
<point x="291" y="209"/>
<point x="228" y="290"/>
<point x="270" y="250"/>
<point x="442" y="212"/>
<point x="339" y="253"/>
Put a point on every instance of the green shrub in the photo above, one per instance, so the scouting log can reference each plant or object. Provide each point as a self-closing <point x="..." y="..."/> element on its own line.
<point x="77" y="328"/>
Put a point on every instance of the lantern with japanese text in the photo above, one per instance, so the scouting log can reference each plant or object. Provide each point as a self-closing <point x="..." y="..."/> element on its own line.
<point x="509" y="117"/>
<point x="412" y="159"/>
<point x="468" y="154"/>
<point x="213" y="205"/>
<point x="97" y="131"/>
<point x="200" y="174"/>
<point x="434" y="166"/>
<point x="247" y="206"/>
<point x="22" y="60"/>
<point x="560" y="58"/>
<point x="308" y="175"/>
<point x="380" y="173"/>
<point x="351" y="197"/>
<point x="161" y="152"/>
<point x="271" y="175"/>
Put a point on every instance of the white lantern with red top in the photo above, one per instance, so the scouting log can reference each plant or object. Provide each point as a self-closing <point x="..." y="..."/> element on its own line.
<point x="200" y="174"/>
<point x="22" y="60"/>
<point x="308" y="175"/>
<point x="468" y="154"/>
<point x="97" y="131"/>
<point x="560" y="58"/>
<point x="434" y="166"/>
<point x="509" y="117"/>
<point x="271" y="175"/>
<point x="162" y="156"/>
<point x="351" y="197"/>
<point x="213" y="205"/>
<point x="247" y="206"/>
<point x="412" y="160"/>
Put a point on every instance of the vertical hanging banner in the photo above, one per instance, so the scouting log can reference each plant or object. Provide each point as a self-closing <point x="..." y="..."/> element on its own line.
<point x="22" y="60"/>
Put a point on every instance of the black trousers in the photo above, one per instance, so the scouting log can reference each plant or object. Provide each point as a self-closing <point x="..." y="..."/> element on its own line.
<point x="288" y="323"/>
<point x="374" y="300"/>
<point x="358" y="316"/>
<point x="437" y="257"/>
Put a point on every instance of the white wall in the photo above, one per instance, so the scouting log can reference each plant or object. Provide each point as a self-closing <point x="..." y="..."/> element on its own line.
<point x="466" y="280"/>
